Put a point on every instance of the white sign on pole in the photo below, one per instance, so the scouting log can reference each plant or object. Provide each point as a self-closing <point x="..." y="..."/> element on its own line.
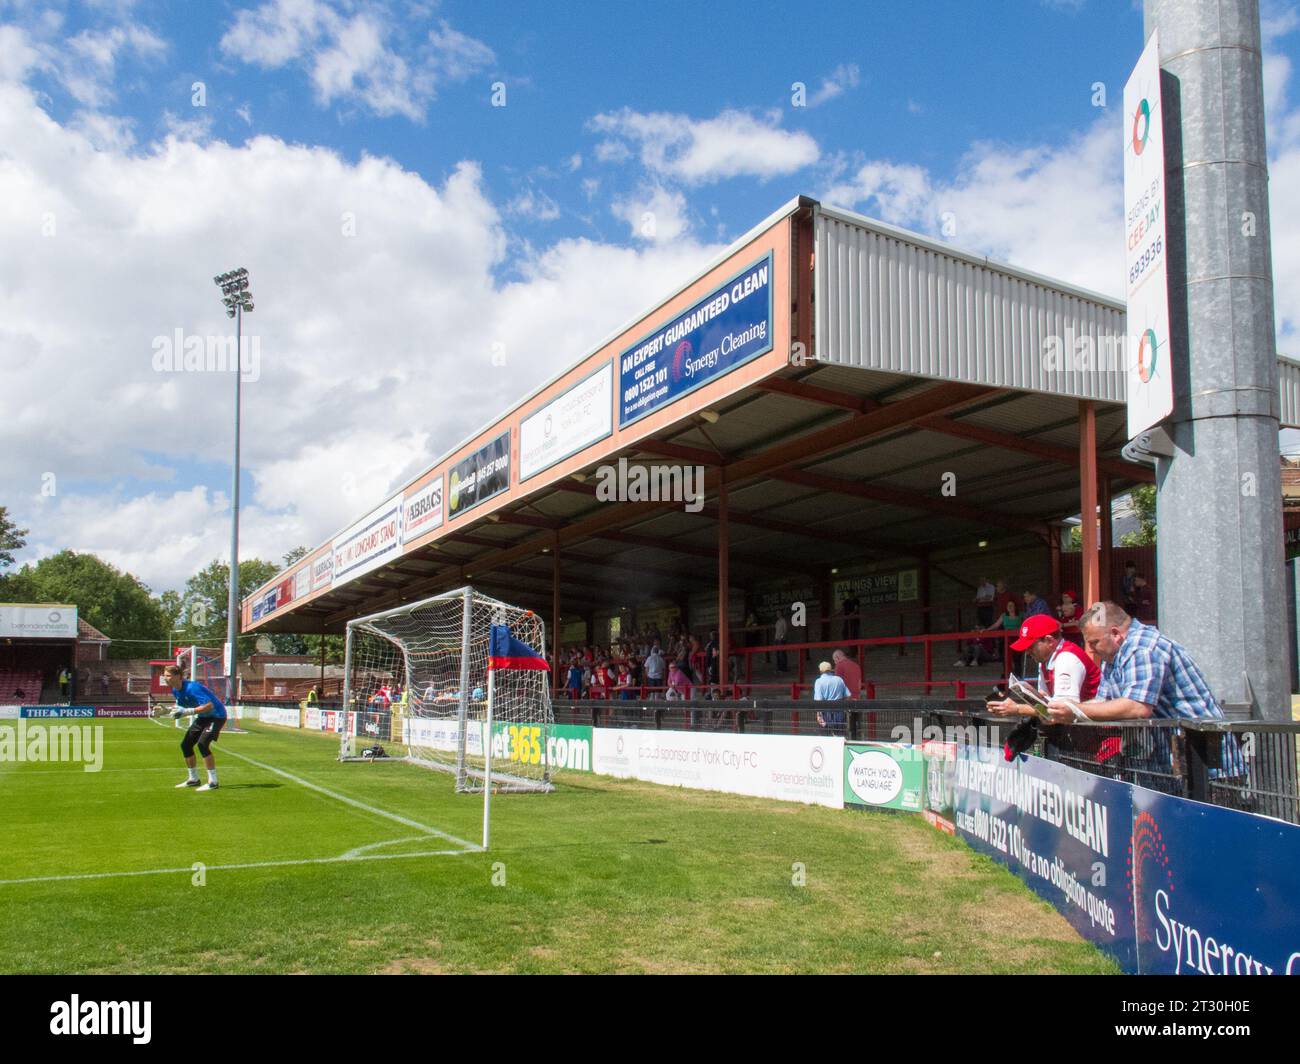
<point x="1150" y="380"/>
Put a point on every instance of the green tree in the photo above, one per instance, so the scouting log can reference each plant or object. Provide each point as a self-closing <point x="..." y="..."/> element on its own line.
<point x="1143" y="501"/>
<point x="204" y="600"/>
<point x="116" y="603"/>
<point x="295" y="555"/>
<point x="12" y="538"/>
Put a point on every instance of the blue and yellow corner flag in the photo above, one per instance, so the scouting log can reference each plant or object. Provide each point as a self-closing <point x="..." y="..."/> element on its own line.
<point x="506" y="652"/>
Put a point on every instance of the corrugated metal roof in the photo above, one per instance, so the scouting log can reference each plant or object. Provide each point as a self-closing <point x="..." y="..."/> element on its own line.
<point x="891" y="300"/>
<point x="1288" y="373"/>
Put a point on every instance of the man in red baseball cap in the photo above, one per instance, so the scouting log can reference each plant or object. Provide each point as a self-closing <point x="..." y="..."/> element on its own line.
<point x="1064" y="670"/>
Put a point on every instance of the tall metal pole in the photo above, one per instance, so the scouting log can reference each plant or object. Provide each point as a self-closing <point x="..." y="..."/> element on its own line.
<point x="232" y="602"/>
<point x="1219" y="503"/>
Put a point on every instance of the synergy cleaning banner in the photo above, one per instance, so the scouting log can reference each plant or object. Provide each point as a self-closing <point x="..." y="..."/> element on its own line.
<point x="1064" y="832"/>
<point x="1217" y="891"/>
<point x="723" y="330"/>
<point x="884" y="776"/>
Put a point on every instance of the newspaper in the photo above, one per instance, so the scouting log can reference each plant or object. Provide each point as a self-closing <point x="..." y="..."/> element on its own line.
<point x="1029" y="695"/>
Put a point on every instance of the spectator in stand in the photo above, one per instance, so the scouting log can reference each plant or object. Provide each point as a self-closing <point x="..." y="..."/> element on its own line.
<point x="697" y="662"/>
<point x="985" y="597"/>
<point x="625" y="692"/>
<point x="713" y="662"/>
<point x="1127" y="588"/>
<point x="1068" y="612"/>
<point x="1002" y="598"/>
<point x="601" y="680"/>
<point x="981" y="650"/>
<point x="852" y="622"/>
<point x="849" y="671"/>
<point x="656" y="669"/>
<point x="1146" y="674"/>
<point x="103" y="683"/>
<point x="829" y="688"/>
<point x="19" y="694"/>
<point x="1064" y="670"/>
<point x="678" y="681"/>
<point x="575" y="678"/>
<point x="1141" y="597"/>
<point x="778" y="638"/>
<point x="1035" y="604"/>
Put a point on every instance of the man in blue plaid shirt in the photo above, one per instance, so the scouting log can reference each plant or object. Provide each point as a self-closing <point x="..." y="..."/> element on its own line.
<point x="1145" y="674"/>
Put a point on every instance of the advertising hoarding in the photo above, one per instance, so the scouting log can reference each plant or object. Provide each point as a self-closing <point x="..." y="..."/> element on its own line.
<point x="571" y="421"/>
<point x="725" y="329"/>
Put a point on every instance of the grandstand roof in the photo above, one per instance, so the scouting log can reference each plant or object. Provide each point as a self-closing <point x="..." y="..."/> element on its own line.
<point x="905" y="401"/>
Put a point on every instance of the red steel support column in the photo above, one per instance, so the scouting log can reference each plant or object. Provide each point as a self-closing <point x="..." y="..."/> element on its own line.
<point x="1054" y="552"/>
<point x="925" y="595"/>
<point x="1088" y="499"/>
<point x="724" y="596"/>
<point x="1106" y="540"/>
<point x="556" y="665"/>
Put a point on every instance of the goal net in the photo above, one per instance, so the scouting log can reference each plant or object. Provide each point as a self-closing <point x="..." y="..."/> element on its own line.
<point x="417" y="687"/>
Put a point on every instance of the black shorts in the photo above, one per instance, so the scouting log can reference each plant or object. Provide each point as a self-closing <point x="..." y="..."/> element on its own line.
<point x="203" y="731"/>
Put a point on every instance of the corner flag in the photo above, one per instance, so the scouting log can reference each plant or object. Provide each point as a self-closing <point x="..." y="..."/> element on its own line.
<point x="506" y="652"/>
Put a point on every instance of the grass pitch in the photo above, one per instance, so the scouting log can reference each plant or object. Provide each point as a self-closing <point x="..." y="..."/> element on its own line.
<point x="309" y="865"/>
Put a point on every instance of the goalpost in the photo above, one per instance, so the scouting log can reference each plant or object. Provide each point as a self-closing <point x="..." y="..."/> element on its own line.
<point x="417" y="685"/>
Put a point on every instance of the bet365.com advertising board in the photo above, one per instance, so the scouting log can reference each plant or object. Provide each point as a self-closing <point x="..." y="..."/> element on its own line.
<point x="793" y="768"/>
<point x="568" y="746"/>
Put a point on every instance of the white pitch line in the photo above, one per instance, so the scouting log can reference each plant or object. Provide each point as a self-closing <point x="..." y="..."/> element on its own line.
<point x="189" y="870"/>
<point x="376" y="845"/>
<point x="470" y="846"/>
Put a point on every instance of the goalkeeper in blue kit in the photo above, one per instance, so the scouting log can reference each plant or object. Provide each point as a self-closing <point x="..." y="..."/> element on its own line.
<point x="193" y="699"/>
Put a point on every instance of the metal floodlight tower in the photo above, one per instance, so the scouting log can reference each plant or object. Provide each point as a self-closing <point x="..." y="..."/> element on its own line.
<point x="236" y="298"/>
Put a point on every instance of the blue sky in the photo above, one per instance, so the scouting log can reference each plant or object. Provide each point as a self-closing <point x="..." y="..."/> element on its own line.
<point x="523" y="227"/>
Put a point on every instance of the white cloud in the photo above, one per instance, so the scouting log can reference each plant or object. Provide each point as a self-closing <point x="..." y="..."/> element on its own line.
<point x="655" y="214"/>
<point x="535" y="204"/>
<point x="1054" y="209"/>
<point x="841" y="79"/>
<point x="362" y="57"/>
<point x="698" y="151"/>
<point x="375" y="349"/>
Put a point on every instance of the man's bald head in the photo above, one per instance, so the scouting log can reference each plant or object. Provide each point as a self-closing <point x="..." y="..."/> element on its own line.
<point x="1104" y="627"/>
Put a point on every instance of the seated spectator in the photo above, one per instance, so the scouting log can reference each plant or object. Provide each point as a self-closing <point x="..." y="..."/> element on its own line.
<point x="1068" y="611"/>
<point x="985" y="650"/>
